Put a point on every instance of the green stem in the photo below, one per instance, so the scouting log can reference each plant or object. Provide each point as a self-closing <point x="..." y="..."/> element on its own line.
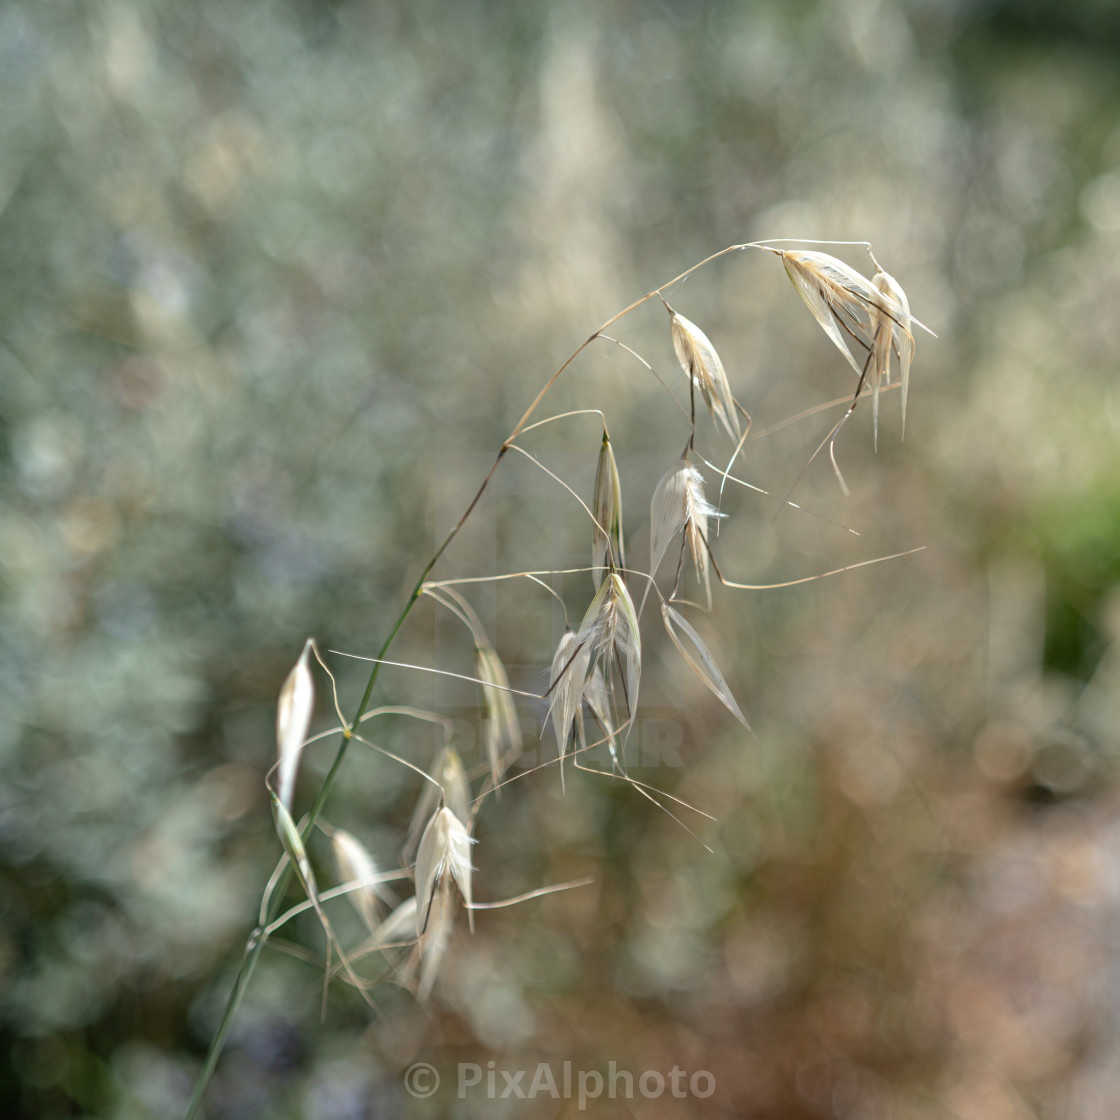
<point x="244" y="975"/>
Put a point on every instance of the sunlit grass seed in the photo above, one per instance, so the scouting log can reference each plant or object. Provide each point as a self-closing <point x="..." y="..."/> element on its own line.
<point x="610" y="630"/>
<point x="702" y="364"/>
<point x="607" y="544"/>
<point x="449" y="783"/>
<point x="502" y="727"/>
<point x="435" y="933"/>
<point x="566" y="683"/>
<point x="890" y="333"/>
<point x="293" y="718"/>
<point x="356" y="865"/>
<point x="678" y="504"/>
<point x="445" y="851"/>
<point x="699" y="659"/>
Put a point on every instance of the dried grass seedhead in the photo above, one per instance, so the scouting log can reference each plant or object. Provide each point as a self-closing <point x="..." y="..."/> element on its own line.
<point x="445" y="850"/>
<point x="890" y="333"/>
<point x="566" y="684"/>
<point x="449" y="785"/>
<point x="293" y="717"/>
<point x="678" y="504"/>
<point x="293" y="845"/>
<point x="702" y="364"/>
<point x="435" y="933"/>
<point x="699" y="659"/>
<point x="502" y="729"/>
<point x="606" y="546"/>
<point x="840" y="298"/>
<point x="452" y="778"/>
<point x="355" y="864"/>
<point x="610" y="630"/>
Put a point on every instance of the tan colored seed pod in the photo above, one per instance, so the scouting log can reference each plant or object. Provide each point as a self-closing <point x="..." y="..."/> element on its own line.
<point x="606" y="545"/>
<point x="293" y="717"/>
<point x="702" y="364"/>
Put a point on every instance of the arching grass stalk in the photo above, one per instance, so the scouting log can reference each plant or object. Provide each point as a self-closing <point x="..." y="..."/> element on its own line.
<point x="843" y="302"/>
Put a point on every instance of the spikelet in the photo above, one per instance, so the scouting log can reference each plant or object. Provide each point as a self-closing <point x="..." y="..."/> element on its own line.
<point x="888" y="331"/>
<point x="356" y="864"/>
<point x="701" y="363"/>
<point x="598" y="704"/>
<point x="293" y="845"/>
<point x="699" y="360"/>
<point x="449" y="784"/>
<point x="445" y="850"/>
<point x="566" y="683"/>
<point x="679" y="503"/>
<point x="452" y="778"/>
<point x="502" y="729"/>
<point x="699" y="659"/>
<point x="606" y="545"/>
<point x="293" y="717"/>
<point x="435" y="932"/>
<point x="610" y="629"/>
<point x="834" y="292"/>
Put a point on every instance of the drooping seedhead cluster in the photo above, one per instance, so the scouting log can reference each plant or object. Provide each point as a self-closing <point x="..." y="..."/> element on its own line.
<point x="595" y="674"/>
<point x="873" y="314"/>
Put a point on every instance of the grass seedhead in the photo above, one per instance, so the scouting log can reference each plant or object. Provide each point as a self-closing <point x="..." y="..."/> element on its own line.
<point x="596" y="670"/>
<point x="606" y="545"/>
<point x="699" y="659"/>
<point x="445" y="850"/>
<point x="704" y="369"/>
<point x="356" y="864"/>
<point x="566" y="685"/>
<point x="294" y="709"/>
<point x="502" y="729"/>
<point x="449" y="784"/>
<point x="610" y="630"/>
<point x="678" y="504"/>
<point x="891" y="334"/>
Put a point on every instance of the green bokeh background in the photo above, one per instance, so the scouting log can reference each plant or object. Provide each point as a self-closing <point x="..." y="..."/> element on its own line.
<point x="278" y="278"/>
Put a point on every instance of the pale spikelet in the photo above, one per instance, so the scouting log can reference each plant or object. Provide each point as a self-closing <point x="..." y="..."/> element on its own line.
<point x="444" y="856"/>
<point x="699" y="659"/>
<point x="566" y="681"/>
<point x="888" y="331"/>
<point x="597" y="700"/>
<point x="502" y="728"/>
<point x="435" y="932"/>
<point x="610" y="630"/>
<point x="452" y="778"/>
<point x="445" y="849"/>
<point x="292" y="842"/>
<point x="679" y="503"/>
<point x="606" y="545"/>
<point x="356" y="865"/>
<point x="701" y="363"/>
<point x="667" y="511"/>
<point x="450" y="786"/>
<point x="293" y="717"/>
<point x="835" y="293"/>
<point x="598" y="704"/>
<point x="697" y="511"/>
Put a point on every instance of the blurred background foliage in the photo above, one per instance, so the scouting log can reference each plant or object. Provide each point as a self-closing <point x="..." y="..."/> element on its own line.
<point x="278" y="279"/>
